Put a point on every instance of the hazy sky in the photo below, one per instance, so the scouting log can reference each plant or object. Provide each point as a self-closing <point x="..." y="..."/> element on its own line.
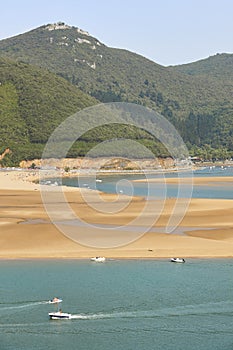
<point x="166" y="31"/>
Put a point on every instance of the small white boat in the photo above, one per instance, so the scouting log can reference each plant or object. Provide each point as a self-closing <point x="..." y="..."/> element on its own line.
<point x="177" y="260"/>
<point x="59" y="315"/>
<point x="55" y="301"/>
<point x="98" y="259"/>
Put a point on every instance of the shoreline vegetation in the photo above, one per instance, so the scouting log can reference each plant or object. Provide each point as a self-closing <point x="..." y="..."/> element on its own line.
<point x="27" y="233"/>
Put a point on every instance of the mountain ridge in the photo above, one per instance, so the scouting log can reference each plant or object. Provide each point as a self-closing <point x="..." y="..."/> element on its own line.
<point x="199" y="105"/>
<point x="219" y="65"/>
<point x="72" y="57"/>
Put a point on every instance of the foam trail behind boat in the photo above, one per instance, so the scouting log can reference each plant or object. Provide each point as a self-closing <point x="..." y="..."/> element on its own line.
<point x="123" y="314"/>
<point x="209" y="308"/>
<point x="21" y="306"/>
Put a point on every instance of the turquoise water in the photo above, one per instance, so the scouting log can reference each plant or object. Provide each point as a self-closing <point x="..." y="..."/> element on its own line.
<point x="138" y="304"/>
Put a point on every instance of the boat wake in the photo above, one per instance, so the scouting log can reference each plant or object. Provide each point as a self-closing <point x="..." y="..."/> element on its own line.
<point x="207" y="309"/>
<point x="204" y="309"/>
<point x="22" y="305"/>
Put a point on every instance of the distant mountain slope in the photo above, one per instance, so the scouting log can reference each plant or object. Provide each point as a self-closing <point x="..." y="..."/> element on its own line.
<point x="32" y="103"/>
<point x="199" y="105"/>
<point x="112" y="74"/>
<point x="218" y="66"/>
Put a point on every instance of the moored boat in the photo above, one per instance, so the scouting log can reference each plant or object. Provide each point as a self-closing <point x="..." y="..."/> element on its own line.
<point x="98" y="259"/>
<point x="177" y="260"/>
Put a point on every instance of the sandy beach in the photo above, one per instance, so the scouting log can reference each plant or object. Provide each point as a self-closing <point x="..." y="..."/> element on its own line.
<point x="208" y="180"/>
<point x="26" y="231"/>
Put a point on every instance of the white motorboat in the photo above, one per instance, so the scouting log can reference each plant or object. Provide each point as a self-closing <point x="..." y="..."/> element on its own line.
<point x="98" y="259"/>
<point x="177" y="260"/>
<point x="55" y="301"/>
<point x="59" y="315"/>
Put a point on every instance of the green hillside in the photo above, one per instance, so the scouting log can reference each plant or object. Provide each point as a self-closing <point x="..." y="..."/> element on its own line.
<point x="199" y="105"/>
<point x="218" y="66"/>
<point x="112" y="74"/>
<point x="32" y="103"/>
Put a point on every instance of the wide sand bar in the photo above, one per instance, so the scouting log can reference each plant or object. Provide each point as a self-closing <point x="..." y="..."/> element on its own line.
<point x="208" y="225"/>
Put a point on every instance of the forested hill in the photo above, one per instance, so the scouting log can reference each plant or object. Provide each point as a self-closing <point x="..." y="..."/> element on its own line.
<point x="199" y="105"/>
<point x="113" y="74"/>
<point x="218" y="66"/>
<point x="33" y="102"/>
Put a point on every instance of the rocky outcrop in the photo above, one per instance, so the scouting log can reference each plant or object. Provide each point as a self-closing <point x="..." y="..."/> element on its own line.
<point x="7" y="151"/>
<point x="103" y="163"/>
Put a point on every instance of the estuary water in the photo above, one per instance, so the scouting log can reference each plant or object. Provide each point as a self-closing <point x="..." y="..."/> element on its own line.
<point x="125" y="184"/>
<point x="121" y="304"/>
<point x="127" y="304"/>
